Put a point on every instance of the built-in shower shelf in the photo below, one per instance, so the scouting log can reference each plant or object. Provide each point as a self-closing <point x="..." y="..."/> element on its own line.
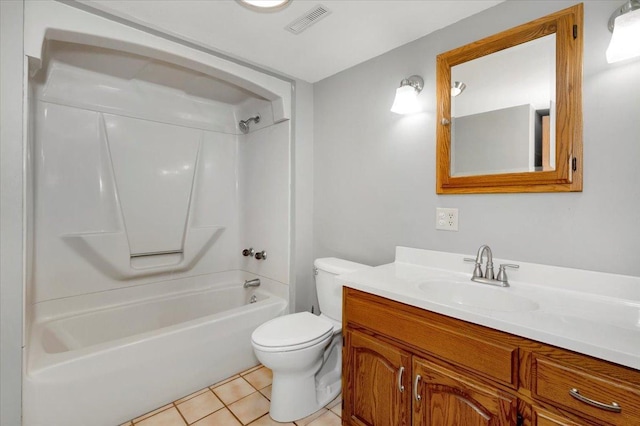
<point x="109" y="253"/>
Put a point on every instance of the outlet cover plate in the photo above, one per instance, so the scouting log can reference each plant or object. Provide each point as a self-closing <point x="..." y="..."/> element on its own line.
<point x="447" y="219"/>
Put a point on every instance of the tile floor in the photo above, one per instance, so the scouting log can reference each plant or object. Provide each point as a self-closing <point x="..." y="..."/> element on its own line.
<point x="237" y="401"/>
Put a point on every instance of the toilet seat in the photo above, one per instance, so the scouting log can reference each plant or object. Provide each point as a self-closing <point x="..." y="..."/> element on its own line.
<point x="292" y="332"/>
<point x="337" y="325"/>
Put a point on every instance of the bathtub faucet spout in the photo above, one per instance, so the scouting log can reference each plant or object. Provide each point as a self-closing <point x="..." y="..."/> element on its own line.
<point x="252" y="283"/>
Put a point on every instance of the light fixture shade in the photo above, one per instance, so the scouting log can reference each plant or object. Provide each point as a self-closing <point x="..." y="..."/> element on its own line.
<point x="457" y="88"/>
<point x="406" y="101"/>
<point x="265" y="5"/>
<point x="625" y="41"/>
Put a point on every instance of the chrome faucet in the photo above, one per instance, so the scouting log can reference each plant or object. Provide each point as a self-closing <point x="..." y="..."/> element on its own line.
<point x="252" y="283"/>
<point x="489" y="270"/>
<point x="488" y="276"/>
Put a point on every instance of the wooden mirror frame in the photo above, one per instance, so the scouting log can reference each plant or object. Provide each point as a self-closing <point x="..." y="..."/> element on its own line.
<point x="567" y="24"/>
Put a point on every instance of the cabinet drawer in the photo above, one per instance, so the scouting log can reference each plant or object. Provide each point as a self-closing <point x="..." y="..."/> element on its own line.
<point x="462" y="346"/>
<point x="553" y="382"/>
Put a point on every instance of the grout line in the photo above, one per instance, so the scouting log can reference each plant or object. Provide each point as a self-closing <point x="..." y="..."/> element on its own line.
<point x="234" y="416"/>
<point x="191" y="396"/>
<point x="180" y="413"/>
<point x="251" y="370"/>
<point x="145" y="416"/>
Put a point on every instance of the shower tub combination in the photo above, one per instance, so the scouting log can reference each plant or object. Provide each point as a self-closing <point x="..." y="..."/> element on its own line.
<point x="149" y="166"/>
<point x="106" y="366"/>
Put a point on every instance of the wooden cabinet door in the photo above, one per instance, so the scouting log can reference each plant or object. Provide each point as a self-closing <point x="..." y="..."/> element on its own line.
<point x="443" y="397"/>
<point x="377" y="390"/>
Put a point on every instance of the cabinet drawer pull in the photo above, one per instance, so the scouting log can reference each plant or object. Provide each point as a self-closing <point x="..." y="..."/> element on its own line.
<point x="415" y="388"/>
<point x="400" y="374"/>
<point x="614" y="407"/>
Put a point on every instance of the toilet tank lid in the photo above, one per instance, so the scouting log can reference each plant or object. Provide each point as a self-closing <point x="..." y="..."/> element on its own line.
<point x="337" y="266"/>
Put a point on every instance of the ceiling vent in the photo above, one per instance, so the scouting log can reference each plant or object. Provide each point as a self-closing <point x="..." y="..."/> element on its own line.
<point x="308" y="19"/>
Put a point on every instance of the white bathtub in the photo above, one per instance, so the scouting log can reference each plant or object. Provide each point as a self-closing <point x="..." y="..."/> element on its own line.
<point x="109" y="365"/>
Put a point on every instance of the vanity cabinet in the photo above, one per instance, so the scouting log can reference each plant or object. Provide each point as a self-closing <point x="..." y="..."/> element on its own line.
<point x="408" y="366"/>
<point x="390" y="386"/>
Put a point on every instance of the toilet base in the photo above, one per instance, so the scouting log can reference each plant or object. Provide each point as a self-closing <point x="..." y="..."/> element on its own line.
<point x="295" y="396"/>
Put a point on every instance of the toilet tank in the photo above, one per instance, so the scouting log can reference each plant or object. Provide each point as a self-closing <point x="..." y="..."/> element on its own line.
<point x="328" y="290"/>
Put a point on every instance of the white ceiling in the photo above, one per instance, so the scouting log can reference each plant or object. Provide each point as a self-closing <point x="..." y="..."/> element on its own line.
<point x="355" y="31"/>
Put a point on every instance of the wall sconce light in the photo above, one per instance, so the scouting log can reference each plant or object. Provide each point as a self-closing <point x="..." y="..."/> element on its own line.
<point x="457" y="88"/>
<point x="406" y="101"/>
<point x="625" y="26"/>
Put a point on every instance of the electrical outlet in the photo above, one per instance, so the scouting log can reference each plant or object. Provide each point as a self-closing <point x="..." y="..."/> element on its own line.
<point x="447" y="219"/>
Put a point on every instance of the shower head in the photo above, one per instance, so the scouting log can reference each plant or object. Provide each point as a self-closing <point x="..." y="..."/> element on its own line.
<point x="244" y="124"/>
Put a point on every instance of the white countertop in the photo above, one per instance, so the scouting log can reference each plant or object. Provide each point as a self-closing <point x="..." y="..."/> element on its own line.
<point x="593" y="313"/>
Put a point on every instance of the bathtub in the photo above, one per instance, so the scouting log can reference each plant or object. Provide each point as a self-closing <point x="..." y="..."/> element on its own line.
<point x="106" y="366"/>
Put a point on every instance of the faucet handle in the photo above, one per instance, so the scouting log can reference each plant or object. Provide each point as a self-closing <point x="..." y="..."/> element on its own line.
<point x="477" y="271"/>
<point x="502" y="273"/>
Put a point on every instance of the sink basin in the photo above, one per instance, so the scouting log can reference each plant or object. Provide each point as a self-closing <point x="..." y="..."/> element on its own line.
<point x="476" y="295"/>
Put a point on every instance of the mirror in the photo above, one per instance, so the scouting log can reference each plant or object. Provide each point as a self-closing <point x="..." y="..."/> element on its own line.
<point x="516" y="124"/>
<point x="521" y="103"/>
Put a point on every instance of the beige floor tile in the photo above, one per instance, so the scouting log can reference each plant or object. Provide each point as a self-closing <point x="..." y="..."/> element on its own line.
<point x="250" y="407"/>
<point x="199" y="406"/>
<point x="327" y="419"/>
<point x="249" y="370"/>
<point x="126" y="424"/>
<point x="219" y="418"/>
<point x="266" y="392"/>
<point x="201" y="391"/>
<point x="260" y="378"/>
<point x="268" y="421"/>
<point x="234" y="390"/>
<point x="337" y="400"/>
<point x="222" y="382"/>
<point x="311" y="417"/>
<point x="151" y="413"/>
<point x="169" y="417"/>
<point x="337" y="409"/>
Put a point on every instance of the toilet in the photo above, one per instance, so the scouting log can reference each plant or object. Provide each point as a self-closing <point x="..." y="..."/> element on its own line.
<point x="304" y="351"/>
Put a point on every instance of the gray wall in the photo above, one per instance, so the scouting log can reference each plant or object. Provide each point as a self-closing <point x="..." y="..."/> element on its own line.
<point x="11" y="212"/>
<point x="303" y="296"/>
<point x="374" y="171"/>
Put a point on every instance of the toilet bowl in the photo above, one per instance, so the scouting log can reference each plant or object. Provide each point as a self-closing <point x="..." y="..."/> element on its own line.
<point x="304" y="351"/>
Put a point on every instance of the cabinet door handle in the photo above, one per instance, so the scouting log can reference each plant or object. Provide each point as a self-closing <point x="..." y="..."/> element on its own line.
<point x="614" y="407"/>
<point x="400" y="374"/>
<point x="415" y="388"/>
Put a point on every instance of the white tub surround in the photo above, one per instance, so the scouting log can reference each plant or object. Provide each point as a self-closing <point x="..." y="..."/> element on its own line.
<point x="140" y="169"/>
<point x="593" y="313"/>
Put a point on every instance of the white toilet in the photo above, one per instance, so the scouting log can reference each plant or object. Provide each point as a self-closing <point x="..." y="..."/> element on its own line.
<point x="304" y="351"/>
